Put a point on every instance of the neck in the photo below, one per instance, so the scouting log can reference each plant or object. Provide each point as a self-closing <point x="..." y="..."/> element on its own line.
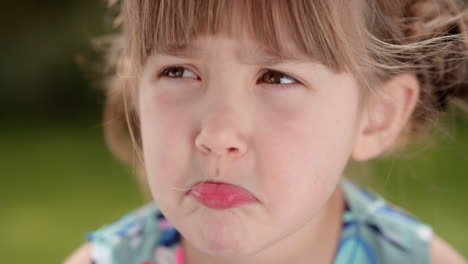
<point x="316" y="242"/>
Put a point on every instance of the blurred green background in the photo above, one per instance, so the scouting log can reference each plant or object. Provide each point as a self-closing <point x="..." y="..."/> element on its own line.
<point x="59" y="180"/>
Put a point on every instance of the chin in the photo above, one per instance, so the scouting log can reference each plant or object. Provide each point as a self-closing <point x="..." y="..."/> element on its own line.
<point x="223" y="237"/>
<point x="225" y="248"/>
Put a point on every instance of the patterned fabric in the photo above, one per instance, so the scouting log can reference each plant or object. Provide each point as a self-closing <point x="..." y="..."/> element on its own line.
<point x="373" y="231"/>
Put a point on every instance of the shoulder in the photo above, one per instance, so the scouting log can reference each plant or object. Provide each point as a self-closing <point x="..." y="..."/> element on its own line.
<point x="80" y="256"/>
<point x="385" y="232"/>
<point x="122" y="241"/>
<point x="442" y="253"/>
<point x="132" y="224"/>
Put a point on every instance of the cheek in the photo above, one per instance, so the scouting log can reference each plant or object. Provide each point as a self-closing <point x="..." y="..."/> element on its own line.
<point x="164" y="133"/>
<point x="302" y="155"/>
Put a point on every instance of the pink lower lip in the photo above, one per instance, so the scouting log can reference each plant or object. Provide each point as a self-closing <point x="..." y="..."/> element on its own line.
<point x="221" y="195"/>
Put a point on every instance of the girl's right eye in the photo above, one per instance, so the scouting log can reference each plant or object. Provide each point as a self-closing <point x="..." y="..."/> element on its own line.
<point x="178" y="72"/>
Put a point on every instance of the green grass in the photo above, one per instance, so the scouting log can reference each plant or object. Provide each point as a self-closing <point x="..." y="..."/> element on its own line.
<point x="60" y="181"/>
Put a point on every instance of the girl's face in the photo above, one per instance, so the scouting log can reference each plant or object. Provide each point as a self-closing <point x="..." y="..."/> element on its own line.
<point x="220" y="110"/>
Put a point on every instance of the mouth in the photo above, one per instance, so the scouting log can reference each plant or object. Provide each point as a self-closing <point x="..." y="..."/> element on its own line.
<point x="220" y="195"/>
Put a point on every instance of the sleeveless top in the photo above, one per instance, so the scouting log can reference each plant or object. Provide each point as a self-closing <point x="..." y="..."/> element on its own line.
<point x="373" y="231"/>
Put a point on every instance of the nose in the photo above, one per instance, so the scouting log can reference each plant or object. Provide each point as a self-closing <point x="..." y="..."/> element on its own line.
<point x="220" y="141"/>
<point x="221" y="135"/>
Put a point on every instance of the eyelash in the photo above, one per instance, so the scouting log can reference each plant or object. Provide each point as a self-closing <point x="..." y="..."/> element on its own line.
<point x="290" y="80"/>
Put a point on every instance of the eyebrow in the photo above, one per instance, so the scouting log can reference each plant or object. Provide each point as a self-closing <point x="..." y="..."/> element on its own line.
<point x="258" y="55"/>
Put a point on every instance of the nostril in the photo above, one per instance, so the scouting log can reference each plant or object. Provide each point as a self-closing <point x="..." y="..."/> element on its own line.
<point x="233" y="150"/>
<point x="205" y="149"/>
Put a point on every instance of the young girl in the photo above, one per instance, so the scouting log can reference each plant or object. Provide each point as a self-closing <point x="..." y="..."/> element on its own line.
<point x="243" y="115"/>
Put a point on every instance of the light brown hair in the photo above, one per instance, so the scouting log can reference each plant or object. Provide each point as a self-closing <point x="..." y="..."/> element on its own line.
<point x="372" y="39"/>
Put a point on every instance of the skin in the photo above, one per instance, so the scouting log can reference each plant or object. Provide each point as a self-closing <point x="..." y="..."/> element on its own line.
<point x="286" y="144"/>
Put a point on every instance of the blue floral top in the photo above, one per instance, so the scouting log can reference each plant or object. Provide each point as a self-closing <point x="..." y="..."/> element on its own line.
<point x="374" y="231"/>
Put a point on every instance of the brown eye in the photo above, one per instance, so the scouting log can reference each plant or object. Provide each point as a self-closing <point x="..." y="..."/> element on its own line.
<point x="174" y="72"/>
<point x="178" y="72"/>
<point x="275" y="77"/>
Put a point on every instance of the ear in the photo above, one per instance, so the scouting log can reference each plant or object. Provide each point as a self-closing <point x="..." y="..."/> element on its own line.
<point x="384" y="116"/>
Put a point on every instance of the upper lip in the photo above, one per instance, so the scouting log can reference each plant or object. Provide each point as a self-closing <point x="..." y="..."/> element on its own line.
<point x="206" y="181"/>
<point x="216" y="182"/>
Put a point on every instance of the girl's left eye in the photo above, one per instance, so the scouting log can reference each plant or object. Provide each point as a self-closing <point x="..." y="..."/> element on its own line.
<point x="276" y="77"/>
